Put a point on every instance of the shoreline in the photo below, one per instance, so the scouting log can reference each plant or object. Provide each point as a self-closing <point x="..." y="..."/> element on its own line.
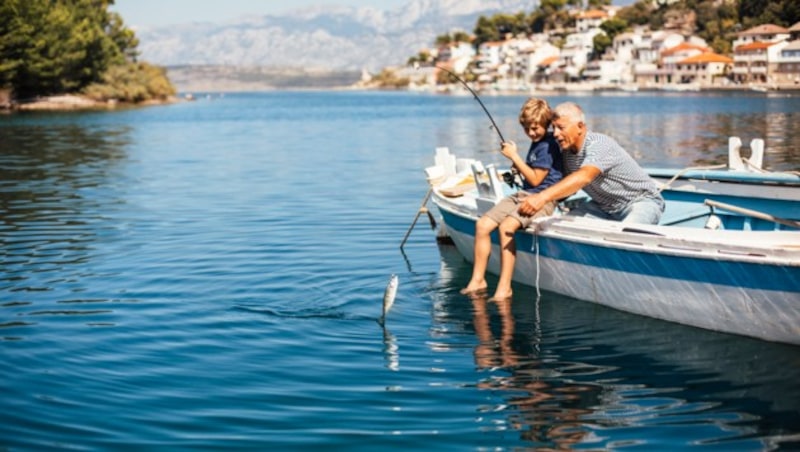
<point x="77" y="102"/>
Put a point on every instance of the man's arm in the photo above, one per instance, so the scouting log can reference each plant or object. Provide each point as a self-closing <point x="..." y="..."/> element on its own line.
<point x="563" y="188"/>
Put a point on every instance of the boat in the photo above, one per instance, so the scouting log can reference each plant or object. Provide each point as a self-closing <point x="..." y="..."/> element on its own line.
<point x="724" y="257"/>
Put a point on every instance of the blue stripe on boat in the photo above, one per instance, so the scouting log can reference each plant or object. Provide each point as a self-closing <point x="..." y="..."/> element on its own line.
<point x="738" y="274"/>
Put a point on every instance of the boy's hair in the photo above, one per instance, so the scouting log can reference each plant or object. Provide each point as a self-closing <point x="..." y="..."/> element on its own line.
<point x="535" y="111"/>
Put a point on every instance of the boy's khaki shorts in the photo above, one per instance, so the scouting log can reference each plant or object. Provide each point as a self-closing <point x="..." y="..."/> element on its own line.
<point x="507" y="207"/>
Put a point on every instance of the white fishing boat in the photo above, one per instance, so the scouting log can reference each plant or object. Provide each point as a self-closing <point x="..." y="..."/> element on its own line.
<point x="725" y="256"/>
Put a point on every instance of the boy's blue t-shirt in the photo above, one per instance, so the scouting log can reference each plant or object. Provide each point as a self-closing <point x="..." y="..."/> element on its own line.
<point x="546" y="154"/>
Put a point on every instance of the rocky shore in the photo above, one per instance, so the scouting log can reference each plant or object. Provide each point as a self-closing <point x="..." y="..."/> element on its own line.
<point x="69" y="102"/>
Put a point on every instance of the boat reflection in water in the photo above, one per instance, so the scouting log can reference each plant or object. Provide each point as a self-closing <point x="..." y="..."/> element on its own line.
<point x="565" y="373"/>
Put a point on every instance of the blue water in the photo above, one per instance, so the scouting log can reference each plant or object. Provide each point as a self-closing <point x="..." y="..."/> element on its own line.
<point x="208" y="275"/>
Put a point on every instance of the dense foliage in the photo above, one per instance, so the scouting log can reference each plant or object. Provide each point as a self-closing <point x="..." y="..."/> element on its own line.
<point x="65" y="46"/>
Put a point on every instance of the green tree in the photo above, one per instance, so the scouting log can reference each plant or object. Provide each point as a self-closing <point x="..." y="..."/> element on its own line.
<point x="131" y="82"/>
<point x="497" y="27"/>
<point x="638" y="13"/>
<point x="600" y="43"/>
<point x="60" y="46"/>
<point x="423" y="57"/>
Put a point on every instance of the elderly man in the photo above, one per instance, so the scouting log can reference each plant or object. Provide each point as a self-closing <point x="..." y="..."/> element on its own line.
<point x="620" y="189"/>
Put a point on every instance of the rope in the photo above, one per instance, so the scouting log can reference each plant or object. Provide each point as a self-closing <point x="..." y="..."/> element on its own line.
<point x="686" y="170"/>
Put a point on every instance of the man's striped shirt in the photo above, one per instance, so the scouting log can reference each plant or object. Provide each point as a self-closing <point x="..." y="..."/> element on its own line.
<point x="621" y="180"/>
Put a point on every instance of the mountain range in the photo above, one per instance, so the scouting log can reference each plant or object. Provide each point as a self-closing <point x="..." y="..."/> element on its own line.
<point x="332" y="38"/>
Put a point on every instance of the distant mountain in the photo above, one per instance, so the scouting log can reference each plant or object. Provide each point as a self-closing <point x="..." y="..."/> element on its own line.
<point x="322" y="37"/>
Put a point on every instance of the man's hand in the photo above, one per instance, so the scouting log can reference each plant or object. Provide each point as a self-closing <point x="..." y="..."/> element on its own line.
<point x="532" y="204"/>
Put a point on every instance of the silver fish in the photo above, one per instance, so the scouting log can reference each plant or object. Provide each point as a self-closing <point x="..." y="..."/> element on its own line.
<point x="389" y="295"/>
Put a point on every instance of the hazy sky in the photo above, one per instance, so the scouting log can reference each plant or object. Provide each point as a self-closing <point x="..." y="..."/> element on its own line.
<point x="143" y="13"/>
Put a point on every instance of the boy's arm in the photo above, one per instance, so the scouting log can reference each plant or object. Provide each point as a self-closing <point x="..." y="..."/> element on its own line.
<point x="534" y="176"/>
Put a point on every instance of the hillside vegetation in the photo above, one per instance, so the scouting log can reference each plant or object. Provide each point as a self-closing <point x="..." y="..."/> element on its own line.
<point x="52" y="47"/>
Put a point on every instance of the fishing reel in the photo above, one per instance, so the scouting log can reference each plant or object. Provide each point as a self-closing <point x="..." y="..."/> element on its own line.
<point x="512" y="179"/>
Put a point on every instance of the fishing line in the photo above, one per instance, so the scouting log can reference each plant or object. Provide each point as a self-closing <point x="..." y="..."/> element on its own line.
<point x="475" y="95"/>
<point x="536" y="244"/>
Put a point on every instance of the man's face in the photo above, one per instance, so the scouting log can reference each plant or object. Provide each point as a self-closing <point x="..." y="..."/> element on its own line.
<point x="568" y="134"/>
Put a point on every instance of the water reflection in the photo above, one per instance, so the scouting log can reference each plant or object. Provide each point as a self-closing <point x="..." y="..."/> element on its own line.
<point x="565" y="373"/>
<point x="56" y="185"/>
<point x="544" y="410"/>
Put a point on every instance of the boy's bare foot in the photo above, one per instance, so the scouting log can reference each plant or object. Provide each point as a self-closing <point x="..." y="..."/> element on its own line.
<point x="474" y="287"/>
<point x="502" y="295"/>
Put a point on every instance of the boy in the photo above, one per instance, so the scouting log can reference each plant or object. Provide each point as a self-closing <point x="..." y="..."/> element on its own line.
<point x="542" y="167"/>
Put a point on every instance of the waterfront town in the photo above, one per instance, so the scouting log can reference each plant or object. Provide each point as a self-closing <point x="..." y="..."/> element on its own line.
<point x="764" y="57"/>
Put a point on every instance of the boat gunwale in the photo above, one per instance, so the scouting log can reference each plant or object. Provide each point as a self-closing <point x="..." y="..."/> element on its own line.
<point x="768" y="247"/>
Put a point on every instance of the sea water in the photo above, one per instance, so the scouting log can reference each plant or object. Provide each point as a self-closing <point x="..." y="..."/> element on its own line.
<point x="209" y="275"/>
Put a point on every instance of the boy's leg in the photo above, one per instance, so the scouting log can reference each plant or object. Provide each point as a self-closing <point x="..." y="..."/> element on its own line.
<point x="483" y="248"/>
<point x="508" y="248"/>
<point x="508" y="257"/>
<point x="483" y="242"/>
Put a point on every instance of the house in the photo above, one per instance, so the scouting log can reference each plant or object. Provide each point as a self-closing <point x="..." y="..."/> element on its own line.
<point x="545" y="70"/>
<point x="575" y="53"/>
<point x="762" y="33"/>
<point x="488" y="58"/>
<point x="707" y="68"/>
<point x="647" y="55"/>
<point x="794" y="32"/>
<point x="672" y="57"/>
<point x="590" y="20"/>
<point x="787" y="70"/>
<point x="606" y="72"/>
<point x="457" y="55"/>
<point x="534" y="58"/>
<point x="755" y="62"/>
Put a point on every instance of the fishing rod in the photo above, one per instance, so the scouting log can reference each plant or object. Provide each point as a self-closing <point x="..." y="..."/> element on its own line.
<point x="475" y="95"/>
<point x="508" y="177"/>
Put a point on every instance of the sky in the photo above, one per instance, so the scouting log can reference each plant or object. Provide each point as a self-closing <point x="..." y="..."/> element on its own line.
<point x="147" y="13"/>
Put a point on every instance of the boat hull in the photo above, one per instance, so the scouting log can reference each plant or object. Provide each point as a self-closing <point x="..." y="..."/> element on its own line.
<point x="723" y="289"/>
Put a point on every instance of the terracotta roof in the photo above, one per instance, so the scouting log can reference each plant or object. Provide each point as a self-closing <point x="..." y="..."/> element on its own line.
<point x="682" y="47"/>
<point x="707" y="57"/>
<point x="548" y="61"/>
<point x="757" y="45"/>
<point x="766" y="29"/>
<point x="593" y="14"/>
<point x="795" y="27"/>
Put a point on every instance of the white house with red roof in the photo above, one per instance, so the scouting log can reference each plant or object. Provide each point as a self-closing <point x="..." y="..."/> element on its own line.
<point x="591" y="19"/>
<point x="762" y="33"/>
<point x="707" y="68"/>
